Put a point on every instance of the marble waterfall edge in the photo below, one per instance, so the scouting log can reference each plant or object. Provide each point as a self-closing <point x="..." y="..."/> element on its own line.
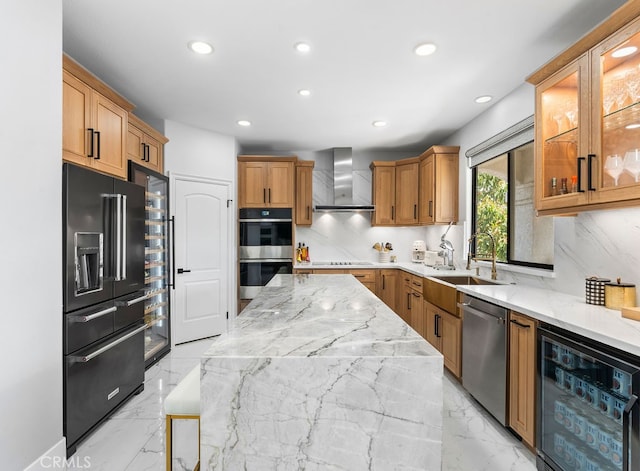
<point x="359" y="391"/>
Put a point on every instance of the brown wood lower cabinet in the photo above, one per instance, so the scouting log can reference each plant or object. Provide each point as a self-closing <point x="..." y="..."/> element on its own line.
<point x="388" y="287"/>
<point x="522" y="376"/>
<point x="444" y="332"/>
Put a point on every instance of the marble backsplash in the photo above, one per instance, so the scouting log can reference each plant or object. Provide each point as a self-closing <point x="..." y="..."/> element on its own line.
<point x="601" y="243"/>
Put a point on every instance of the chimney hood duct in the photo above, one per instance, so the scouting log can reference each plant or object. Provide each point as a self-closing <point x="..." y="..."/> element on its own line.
<point x="343" y="184"/>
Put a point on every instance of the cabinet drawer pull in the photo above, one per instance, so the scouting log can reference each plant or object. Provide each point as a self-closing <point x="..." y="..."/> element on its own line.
<point x="524" y="326"/>
<point x="415" y="211"/>
<point x="269" y="195"/>
<point x="144" y="153"/>
<point x="393" y="213"/>
<point x="264" y="195"/>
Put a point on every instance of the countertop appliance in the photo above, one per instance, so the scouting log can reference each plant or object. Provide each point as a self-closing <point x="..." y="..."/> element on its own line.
<point x="418" y="251"/>
<point x="158" y="262"/>
<point x="484" y="354"/>
<point x="588" y="415"/>
<point x="103" y="276"/>
<point x="266" y="247"/>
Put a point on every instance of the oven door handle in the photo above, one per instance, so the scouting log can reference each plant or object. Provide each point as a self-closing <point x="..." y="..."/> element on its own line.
<point x="100" y="351"/>
<point x="265" y="220"/>
<point x="261" y="260"/>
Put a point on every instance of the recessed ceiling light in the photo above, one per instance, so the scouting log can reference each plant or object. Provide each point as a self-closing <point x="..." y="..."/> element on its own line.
<point x="633" y="126"/>
<point x="425" y="49"/>
<point x="244" y="122"/>
<point x="484" y="99"/>
<point x="624" y="51"/>
<point x="302" y="47"/>
<point x="379" y="124"/>
<point x="201" y="47"/>
<point x="304" y="92"/>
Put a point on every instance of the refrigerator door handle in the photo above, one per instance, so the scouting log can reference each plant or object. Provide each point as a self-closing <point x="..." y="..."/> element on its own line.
<point x="100" y="351"/>
<point x="118" y="238"/>
<point x="633" y="401"/>
<point x="123" y="234"/>
<point x="93" y="316"/>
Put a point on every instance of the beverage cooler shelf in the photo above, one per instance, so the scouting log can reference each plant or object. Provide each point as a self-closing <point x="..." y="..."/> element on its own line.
<point x="156" y="196"/>
<point x="154" y="320"/>
<point x="154" y="264"/>
<point x="154" y="237"/>
<point x="154" y="250"/>
<point x="153" y="279"/>
<point x="153" y="343"/>
<point x="152" y="209"/>
<point x="151" y="222"/>
<point x="154" y="307"/>
<point x="151" y="293"/>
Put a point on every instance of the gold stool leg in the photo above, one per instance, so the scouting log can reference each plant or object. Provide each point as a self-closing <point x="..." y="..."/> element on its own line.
<point x="168" y="441"/>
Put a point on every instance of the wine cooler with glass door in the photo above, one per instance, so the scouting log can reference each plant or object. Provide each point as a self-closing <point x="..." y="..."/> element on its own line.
<point x="157" y="261"/>
<point x="588" y="415"/>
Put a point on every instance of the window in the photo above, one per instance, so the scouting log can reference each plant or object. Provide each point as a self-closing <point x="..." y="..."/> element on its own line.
<point x="503" y="206"/>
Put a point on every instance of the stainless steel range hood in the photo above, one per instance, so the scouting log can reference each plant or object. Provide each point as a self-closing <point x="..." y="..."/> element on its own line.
<point x="343" y="184"/>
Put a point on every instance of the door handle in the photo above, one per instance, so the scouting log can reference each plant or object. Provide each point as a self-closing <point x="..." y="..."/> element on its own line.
<point x="580" y="160"/>
<point x="97" y="157"/>
<point x="182" y="270"/>
<point x="91" y="137"/>
<point x="173" y="252"/>
<point x="590" y="186"/>
<point x="144" y="152"/>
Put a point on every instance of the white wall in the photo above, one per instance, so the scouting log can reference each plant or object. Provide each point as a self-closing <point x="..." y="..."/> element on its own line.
<point x="31" y="235"/>
<point x="195" y="151"/>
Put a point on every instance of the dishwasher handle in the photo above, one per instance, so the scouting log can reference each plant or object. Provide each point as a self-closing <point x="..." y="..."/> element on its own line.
<point x="466" y="307"/>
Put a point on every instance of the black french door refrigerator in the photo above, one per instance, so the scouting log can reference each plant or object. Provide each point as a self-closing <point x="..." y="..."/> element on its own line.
<point x="587" y="405"/>
<point x="103" y="294"/>
<point x="158" y="263"/>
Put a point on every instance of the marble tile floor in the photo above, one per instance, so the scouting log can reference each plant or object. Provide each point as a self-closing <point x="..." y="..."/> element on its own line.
<point x="133" y="439"/>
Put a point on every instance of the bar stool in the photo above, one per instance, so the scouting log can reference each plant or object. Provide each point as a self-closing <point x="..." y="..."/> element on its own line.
<point x="183" y="403"/>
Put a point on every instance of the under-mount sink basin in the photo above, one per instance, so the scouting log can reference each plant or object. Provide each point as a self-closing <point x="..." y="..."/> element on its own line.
<point x="465" y="280"/>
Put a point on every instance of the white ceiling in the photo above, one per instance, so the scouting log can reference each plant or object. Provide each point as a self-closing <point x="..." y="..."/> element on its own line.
<point x="361" y="67"/>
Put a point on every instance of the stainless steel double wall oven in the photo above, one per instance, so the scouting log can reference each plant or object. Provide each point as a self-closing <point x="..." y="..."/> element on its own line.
<point x="266" y="247"/>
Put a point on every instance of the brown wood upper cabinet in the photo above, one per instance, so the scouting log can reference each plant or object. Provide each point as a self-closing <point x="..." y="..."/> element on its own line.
<point x="266" y="181"/>
<point x="419" y="190"/>
<point x="94" y="122"/>
<point x="586" y="100"/>
<point x="522" y="376"/>
<point x="439" y="185"/>
<point x="407" y="192"/>
<point x="145" y="145"/>
<point x="383" y="193"/>
<point x="304" y="192"/>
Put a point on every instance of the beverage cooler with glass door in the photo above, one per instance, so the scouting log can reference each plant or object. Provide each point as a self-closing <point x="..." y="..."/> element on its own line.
<point x="587" y="405"/>
<point x="157" y="261"/>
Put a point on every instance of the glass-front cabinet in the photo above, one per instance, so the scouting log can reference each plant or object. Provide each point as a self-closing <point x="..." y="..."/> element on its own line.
<point x="588" y="128"/>
<point x="157" y="258"/>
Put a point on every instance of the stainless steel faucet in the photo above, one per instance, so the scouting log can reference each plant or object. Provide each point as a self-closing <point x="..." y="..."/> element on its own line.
<point x="476" y="257"/>
<point x="447" y="251"/>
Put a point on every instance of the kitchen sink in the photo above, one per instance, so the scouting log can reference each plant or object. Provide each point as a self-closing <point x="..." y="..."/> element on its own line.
<point x="465" y="280"/>
<point x="444" y="295"/>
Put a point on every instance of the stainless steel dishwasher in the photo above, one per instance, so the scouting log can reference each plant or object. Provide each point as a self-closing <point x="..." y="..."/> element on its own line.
<point x="484" y="354"/>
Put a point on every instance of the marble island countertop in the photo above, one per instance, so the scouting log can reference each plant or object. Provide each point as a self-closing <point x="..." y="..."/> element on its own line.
<point x="318" y="373"/>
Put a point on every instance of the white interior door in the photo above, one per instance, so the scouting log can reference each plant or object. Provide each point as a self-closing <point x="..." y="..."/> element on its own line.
<point x="202" y="250"/>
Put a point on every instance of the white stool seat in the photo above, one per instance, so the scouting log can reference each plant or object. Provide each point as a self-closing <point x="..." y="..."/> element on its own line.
<point x="185" y="397"/>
